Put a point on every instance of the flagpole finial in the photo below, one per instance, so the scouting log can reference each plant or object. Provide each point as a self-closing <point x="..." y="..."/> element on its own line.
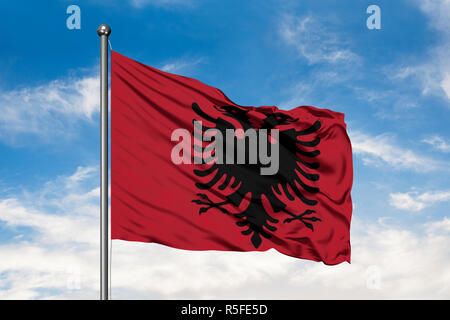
<point x="104" y="29"/>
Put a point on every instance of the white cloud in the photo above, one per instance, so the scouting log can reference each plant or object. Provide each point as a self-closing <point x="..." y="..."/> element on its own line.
<point x="71" y="209"/>
<point x="438" y="143"/>
<point x="388" y="263"/>
<point x="181" y="65"/>
<point x="314" y="42"/>
<point x="54" y="228"/>
<point x="382" y="150"/>
<point x="430" y="77"/>
<point x="445" y="84"/>
<point x="442" y="226"/>
<point x="313" y="91"/>
<point x="433" y="74"/>
<point x="434" y="196"/>
<point x="414" y="201"/>
<point x="439" y="11"/>
<point x="405" y="201"/>
<point x="48" y="109"/>
<point x="82" y="173"/>
<point x="62" y="255"/>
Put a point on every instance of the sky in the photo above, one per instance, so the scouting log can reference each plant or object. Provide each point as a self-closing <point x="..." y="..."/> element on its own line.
<point x="393" y="84"/>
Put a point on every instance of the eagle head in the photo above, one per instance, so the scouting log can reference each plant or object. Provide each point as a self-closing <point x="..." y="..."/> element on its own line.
<point x="275" y="119"/>
<point x="233" y="111"/>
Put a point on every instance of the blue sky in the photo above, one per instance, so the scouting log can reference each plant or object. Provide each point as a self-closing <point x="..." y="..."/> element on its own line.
<point x="392" y="84"/>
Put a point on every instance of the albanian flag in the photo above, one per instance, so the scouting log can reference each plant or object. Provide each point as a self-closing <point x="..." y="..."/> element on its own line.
<point x="192" y="170"/>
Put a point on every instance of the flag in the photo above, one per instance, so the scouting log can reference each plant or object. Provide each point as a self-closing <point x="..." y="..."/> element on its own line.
<point x="191" y="169"/>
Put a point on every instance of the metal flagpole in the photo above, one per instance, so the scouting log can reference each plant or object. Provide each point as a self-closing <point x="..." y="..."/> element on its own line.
<point x="104" y="31"/>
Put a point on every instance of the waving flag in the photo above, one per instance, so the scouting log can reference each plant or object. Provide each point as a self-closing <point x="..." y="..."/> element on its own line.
<point x="190" y="169"/>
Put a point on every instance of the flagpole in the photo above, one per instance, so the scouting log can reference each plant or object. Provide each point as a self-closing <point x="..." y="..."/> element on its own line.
<point x="104" y="31"/>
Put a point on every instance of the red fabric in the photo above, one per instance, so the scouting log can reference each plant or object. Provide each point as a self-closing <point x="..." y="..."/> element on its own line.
<point x="151" y="197"/>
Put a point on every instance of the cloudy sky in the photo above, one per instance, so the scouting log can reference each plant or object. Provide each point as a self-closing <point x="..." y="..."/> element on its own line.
<point x="392" y="84"/>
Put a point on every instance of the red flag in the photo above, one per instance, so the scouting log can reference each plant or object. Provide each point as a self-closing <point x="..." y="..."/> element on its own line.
<point x="190" y="169"/>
